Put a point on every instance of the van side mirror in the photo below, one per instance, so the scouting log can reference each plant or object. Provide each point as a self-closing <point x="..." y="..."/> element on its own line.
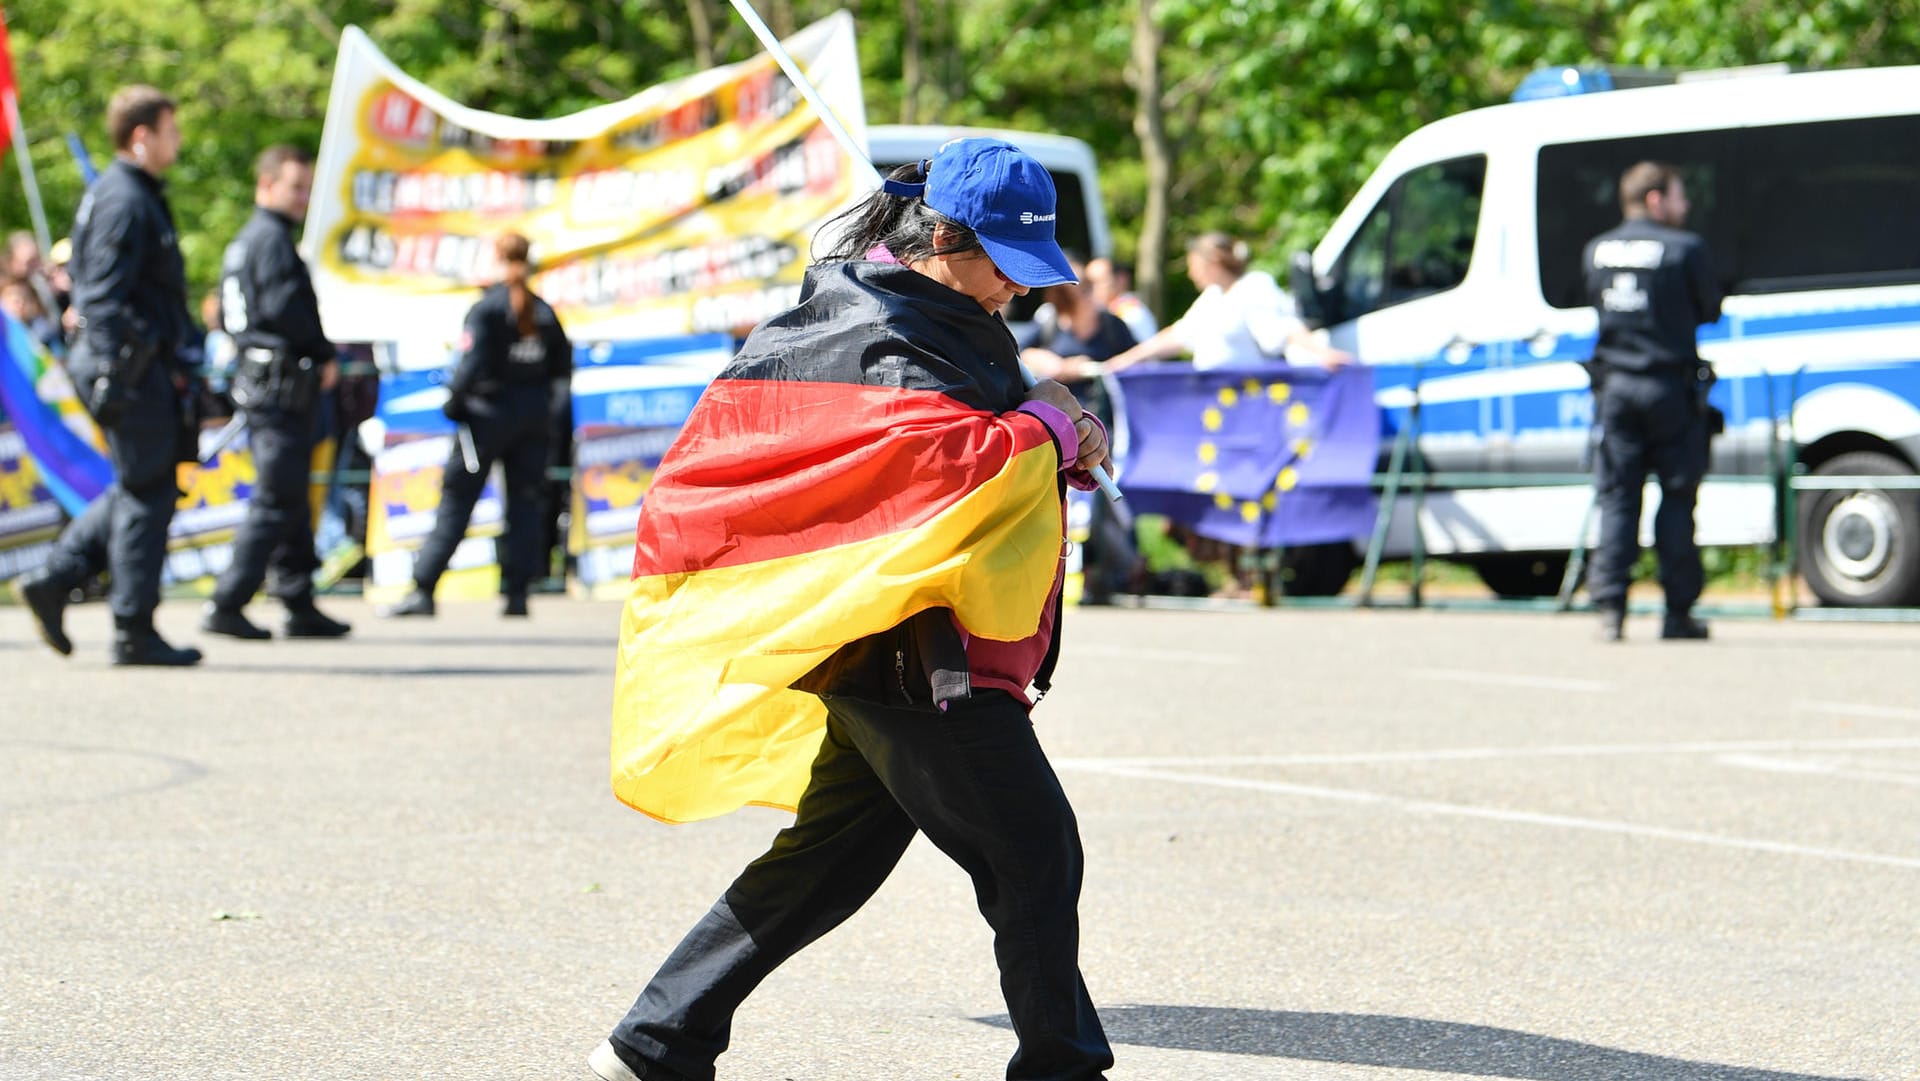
<point x="1314" y="306"/>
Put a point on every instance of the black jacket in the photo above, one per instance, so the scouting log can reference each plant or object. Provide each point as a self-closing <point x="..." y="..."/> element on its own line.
<point x="129" y="281"/>
<point x="880" y="324"/>
<point x="266" y="293"/>
<point x="495" y="357"/>
<point x="1651" y="285"/>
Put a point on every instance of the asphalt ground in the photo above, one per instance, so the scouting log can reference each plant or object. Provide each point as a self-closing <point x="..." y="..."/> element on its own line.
<point x="1320" y="844"/>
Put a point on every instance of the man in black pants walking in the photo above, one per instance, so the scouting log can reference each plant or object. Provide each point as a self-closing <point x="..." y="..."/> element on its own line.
<point x="130" y="288"/>
<point x="285" y="364"/>
<point x="1652" y="283"/>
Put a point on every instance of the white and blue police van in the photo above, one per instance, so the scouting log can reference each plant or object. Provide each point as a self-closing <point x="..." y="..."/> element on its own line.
<point x="1455" y="273"/>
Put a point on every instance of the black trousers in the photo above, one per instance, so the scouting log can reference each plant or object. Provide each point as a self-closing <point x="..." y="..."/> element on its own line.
<point x="516" y="436"/>
<point x="1649" y="423"/>
<point x="976" y="781"/>
<point x="278" y="533"/>
<point x="124" y="530"/>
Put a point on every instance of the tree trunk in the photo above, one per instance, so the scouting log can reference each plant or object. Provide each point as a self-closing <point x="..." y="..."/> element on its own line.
<point x="1150" y="127"/>
<point x="702" y="22"/>
<point x="910" y="75"/>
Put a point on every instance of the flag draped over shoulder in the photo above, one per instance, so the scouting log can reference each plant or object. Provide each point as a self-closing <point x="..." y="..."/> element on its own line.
<point x="1257" y="455"/>
<point x="854" y="466"/>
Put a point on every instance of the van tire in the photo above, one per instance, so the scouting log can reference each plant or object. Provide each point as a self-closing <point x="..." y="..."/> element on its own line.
<point x="1523" y="574"/>
<point x="1317" y="570"/>
<point x="1860" y="547"/>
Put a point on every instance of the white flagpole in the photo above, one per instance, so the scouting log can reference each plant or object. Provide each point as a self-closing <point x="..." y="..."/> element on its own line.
<point x="39" y="212"/>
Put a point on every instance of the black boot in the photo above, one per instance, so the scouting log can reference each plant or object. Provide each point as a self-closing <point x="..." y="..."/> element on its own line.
<point x="306" y="621"/>
<point x="417" y="603"/>
<point x="135" y="642"/>
<point x="516" y="603"/>
<point x="230" y="622"/>
<point x="1684" y="627"/>
<point x="46" y="599"/>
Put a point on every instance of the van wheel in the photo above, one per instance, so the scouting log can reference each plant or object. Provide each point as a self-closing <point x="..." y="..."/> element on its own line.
<point x="1860" y="547"/>
<point x="1523" y="574"/>
<point x="1317" y="570"/>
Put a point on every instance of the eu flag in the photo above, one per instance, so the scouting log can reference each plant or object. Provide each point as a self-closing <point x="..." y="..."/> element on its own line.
<point x="1258" y="456"/>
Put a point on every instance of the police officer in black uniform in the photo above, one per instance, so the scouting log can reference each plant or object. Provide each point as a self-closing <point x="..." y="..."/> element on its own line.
<point x="1652" y="283"/>
<point x="514" y="360"/>
<point x="285" y="363"/>
<point x="130" y="287"/>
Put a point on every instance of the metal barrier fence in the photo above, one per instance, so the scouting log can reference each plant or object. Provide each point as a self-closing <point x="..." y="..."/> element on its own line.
<point x="1405" y="472"/>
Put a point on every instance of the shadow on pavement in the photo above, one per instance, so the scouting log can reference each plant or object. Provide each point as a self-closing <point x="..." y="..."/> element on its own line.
<point x="1404" y="1043"/>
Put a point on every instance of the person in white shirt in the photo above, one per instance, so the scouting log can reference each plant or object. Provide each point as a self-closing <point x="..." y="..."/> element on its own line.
<point x="1241" y="317"/>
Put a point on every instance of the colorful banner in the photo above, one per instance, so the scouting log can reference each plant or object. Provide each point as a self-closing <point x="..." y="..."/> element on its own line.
<point x="629" y="401"/>
<point x="212" y="504"/>
<point x="415" y="440"/>
<point x="39" y="400"/>
<point x="688" y="208"/>
<point x="29" y="515"/>
<point x="1260" y="456"/>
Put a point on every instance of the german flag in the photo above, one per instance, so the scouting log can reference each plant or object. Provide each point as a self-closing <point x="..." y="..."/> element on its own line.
<point x="801" y="508"/>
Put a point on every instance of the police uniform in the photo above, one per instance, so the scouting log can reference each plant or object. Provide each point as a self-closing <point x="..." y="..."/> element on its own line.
<point x="268" y="306"/>
<point x="1652" y="285"/>
<point x="503" y="390"/>
<point x="130" y="286"/>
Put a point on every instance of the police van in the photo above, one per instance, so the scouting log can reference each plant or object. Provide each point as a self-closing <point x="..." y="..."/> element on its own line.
<point x="1455" y="273"/>
<point x="1081" y="224"/>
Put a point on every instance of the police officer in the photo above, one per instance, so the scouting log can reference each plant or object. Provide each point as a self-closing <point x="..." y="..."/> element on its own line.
<point x="285" y="363"/>
<point x="514" y="360"/>
<point x="130" y="288"/>
<point x="1652" y="283"/>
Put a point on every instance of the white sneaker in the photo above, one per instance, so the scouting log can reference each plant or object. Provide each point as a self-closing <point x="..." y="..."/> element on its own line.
<point x="608" y="1065"/>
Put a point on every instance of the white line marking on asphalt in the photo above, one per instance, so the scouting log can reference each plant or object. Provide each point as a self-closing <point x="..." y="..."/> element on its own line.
<point x="1472" y="754"/>
<point x="1495" y="814"/>
<point x="1143" y="653"/>
<point x="1824" y="769"/>
<point x="1507" y="679"/>
<point x="1851" y="709"/>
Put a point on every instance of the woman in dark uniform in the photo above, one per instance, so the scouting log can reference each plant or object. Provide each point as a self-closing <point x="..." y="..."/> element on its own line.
<point x="514" y="358"/>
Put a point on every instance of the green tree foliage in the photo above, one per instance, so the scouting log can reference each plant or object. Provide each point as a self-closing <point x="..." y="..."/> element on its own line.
<point x="1276" y="109"/>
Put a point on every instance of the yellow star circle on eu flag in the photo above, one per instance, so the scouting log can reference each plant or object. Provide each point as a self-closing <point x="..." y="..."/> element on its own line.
<point x="1213" y="419"/>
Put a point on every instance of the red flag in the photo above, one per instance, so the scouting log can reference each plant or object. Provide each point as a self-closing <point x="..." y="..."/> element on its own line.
<point x="9" y="90"/>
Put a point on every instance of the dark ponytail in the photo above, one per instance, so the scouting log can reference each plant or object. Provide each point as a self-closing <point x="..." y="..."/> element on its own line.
<point x="903" y="224"/>
<point x="513" y="249"/>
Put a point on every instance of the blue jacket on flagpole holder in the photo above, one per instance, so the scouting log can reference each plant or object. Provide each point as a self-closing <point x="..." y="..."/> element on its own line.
<point x="1260" y="455"/>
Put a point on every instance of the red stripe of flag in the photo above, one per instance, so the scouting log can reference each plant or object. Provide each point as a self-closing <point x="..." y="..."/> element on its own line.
<point x="840" y="464"/>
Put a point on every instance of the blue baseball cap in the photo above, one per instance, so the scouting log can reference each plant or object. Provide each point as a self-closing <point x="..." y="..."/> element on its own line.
<point x="1007" y="199"/>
